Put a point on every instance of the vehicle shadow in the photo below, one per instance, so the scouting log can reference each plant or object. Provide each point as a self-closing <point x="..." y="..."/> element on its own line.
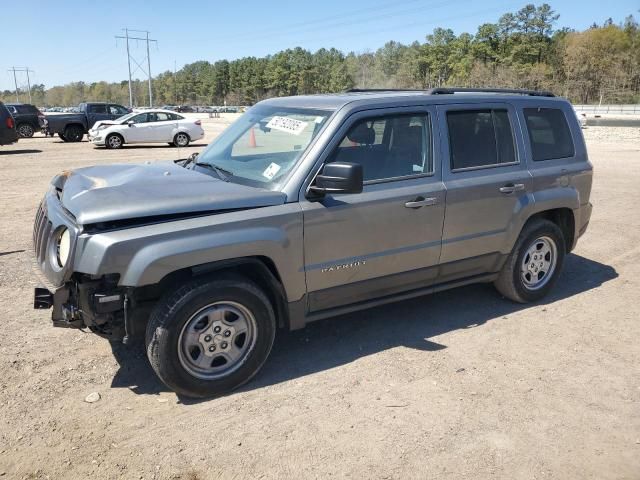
<point x="337" y="341"/>
<point x="19" y="152"/>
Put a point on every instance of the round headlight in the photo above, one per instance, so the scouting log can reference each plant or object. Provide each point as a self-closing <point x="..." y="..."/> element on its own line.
<point x="64" y="245"/>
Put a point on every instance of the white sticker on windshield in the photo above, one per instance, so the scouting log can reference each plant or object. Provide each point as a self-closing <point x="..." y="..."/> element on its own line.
<point x="271" y="171"/>
<point x="289" y="125"/>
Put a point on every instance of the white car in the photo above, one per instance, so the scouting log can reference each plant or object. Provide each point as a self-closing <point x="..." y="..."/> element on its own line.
<point x="152" y="126"/>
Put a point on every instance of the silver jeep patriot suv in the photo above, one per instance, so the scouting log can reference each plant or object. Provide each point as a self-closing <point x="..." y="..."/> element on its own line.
<point x="312" y="206"/>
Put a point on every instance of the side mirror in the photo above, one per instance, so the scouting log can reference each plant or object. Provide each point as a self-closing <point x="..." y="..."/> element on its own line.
<point x="339" y="177"/>
<point x="131" y="123"/>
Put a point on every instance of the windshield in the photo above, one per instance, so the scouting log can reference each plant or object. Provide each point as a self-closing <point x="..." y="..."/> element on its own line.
<point x="126" y="117"/>
<point x="264" y="144"/>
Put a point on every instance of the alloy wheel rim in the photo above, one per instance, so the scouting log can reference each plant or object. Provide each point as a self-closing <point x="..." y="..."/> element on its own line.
<point x="182" y="139"/>
<point x="216" y="340"/>
<point x="538" y="263"/>
<point x="114" y="142"/>
<point x="25" y="130"/>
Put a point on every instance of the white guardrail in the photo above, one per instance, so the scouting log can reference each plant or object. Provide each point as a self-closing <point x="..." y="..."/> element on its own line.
<point x="633" y="109"/>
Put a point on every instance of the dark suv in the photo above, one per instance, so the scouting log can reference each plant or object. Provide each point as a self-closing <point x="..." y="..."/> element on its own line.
<point x="29" y="119"/>
<point x="8" y="133"/>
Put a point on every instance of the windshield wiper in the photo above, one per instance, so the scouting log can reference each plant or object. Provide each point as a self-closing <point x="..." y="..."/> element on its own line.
<point x="223" y="174"/>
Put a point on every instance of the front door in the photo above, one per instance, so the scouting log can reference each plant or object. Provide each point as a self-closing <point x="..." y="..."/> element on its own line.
<point x="386" y="239"/>
<point x="487" y="185"/>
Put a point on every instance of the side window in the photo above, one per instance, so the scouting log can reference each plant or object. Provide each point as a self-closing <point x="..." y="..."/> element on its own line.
<point x="479" y="138"/>
<point x="117" y="110"/>
<point x="162" y="117"/>
<point x="97" y="109"/>
<point x="549" y="133"/>
<point x="176" y="117"/>
<point x="12" y="109"/>
<point x="388" y="147"/>
<point x="141" y="118"/>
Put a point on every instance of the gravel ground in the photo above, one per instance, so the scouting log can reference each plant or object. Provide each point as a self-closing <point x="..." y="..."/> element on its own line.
<point x="461" y="384"/>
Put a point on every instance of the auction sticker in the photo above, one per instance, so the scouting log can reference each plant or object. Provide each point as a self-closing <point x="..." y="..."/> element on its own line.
<point x="289" y="125"/>
<point x="271" y="171"/>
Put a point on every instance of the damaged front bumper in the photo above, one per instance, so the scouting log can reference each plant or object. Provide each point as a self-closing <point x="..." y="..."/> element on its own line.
<point x="96" y="305"/>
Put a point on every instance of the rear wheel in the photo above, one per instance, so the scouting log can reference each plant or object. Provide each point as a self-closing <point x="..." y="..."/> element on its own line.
<point x="64" y="139"/>
<point x="73" y="133"/>
<point x="210" y="336"/>
<point x="113" y="141"/>
<point x="534" y="264"/>
<point x="181" y="139"/>
<point x="25" y="130"/>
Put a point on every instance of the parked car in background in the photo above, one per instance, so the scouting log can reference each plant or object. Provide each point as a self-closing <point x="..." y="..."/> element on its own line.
<point x="72" y="127"/>
<point x="153" y="126"/>
<point x="185" y="109"/>
<point x="29" y="119"/>
<point x="8" y="133"/>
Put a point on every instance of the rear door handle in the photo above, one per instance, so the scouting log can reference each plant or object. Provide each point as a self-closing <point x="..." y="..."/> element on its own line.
<point x="510" y="188"/>
<point x="421" y="202"/>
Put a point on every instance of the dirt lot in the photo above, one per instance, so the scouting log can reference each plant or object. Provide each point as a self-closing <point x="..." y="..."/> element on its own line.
<point x="462" y="384"/>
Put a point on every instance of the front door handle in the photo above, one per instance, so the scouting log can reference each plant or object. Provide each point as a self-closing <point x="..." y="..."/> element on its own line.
<point x="510" y="188"/>
<point x="421" y="202"/>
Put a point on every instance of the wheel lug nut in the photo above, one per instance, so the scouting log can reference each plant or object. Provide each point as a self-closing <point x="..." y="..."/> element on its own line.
<point x="223" y="345"/>
<point x="207" y="338"/>
<point x="212" y="348"/>
<point x="227" y="333"/>
<point x="217" y="329"/>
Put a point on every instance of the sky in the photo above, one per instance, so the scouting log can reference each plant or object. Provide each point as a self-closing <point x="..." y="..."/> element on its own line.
<point x="63" y="41"/>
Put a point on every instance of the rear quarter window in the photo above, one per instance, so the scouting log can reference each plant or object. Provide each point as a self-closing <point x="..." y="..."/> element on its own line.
<point x="549" y="133"/>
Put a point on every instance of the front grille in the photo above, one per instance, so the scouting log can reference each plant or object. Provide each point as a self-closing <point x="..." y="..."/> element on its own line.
<point x="41" y="232"/>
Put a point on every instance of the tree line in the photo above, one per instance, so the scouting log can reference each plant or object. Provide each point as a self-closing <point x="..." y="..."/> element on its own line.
<point x="522" y="49"/>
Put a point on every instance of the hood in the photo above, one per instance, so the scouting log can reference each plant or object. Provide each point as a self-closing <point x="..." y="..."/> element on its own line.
<point x="104" y="122"/>
<point x="124" y="192"/>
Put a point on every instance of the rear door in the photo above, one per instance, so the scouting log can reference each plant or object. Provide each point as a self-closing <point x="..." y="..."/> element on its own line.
<point x="97" y="112"/>
<point x="163" y="127"/>
<point x="487" y="184"/>
<point x="386" y="239"/>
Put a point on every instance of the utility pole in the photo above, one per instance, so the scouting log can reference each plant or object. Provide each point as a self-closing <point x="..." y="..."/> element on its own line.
<point x="139" y="67"/>
<point x="175" y="85"/>
<point x="15" y="81"/>
<point x="149" y="72"/>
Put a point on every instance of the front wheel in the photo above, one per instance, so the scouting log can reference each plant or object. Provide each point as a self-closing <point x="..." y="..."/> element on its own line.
<point x="113" y="141"/>
<point x="181" y="139"/>
<point x="210" y="336"/>
<point x="534" y="264"/>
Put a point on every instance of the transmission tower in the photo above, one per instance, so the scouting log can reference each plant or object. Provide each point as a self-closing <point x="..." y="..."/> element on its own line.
<point x="15" y="81"/>
<point x="130" y="58"/>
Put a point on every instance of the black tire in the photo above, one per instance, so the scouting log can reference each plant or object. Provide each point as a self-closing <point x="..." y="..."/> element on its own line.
<point x="171" y="316"/>
<point x="73" y="133"/>
<point x="113" y="141"/>
<point x="25" y="130"/>
<point x="510" y="282"/>
<point x="181" y="139"/>
<point x="64" y="139"/>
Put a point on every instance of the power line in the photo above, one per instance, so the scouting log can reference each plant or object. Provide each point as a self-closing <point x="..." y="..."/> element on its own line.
<point x="15" y="81"/>
<point x="146" y="39"/>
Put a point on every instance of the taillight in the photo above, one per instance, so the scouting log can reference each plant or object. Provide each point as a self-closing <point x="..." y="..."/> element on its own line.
<point x="198" y="122"/>
<point x="10" y="122"/>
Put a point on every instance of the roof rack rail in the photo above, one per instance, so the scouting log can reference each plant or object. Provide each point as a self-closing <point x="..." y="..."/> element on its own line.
<point x="366" y="90"/>
<point x="450" y="90"/>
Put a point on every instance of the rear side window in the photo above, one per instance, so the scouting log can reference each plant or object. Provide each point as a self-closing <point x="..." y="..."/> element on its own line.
<point x="97" y="109"/>
<point x="480" y="138"/>
<point x="549" y="133"/>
